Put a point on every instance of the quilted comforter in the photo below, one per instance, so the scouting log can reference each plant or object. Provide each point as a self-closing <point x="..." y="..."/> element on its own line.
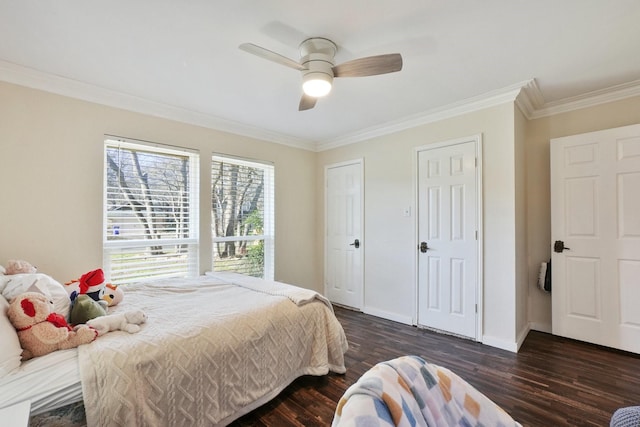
<point x="212" y="350"/>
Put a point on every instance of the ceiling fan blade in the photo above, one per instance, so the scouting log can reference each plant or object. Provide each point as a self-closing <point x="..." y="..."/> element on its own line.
<point x="270" y="55"/>
<point x="307" y="102"/>
<point x="369" y="66"/>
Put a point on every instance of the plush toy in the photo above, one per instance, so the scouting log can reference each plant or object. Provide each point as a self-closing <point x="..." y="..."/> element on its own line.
<point x="86" y="308"/>
<point x="128" y="321"/>
<point x="19" y="266"/>
<point x="112" y="294"/>
<point x="93" y="284"/>
<point x="40" y="330"/>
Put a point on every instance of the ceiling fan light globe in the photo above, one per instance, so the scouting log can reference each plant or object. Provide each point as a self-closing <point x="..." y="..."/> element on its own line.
<point x="316" y="88"/>
<point x="316" y="84"/>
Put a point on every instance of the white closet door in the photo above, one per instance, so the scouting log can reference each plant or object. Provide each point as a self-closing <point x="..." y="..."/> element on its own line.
<point x="447" y="264"/>
<point x="344" y="254"/>
<point x="595" y="215"/>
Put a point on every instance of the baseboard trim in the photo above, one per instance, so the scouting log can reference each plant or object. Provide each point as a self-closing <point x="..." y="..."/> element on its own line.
<point x="500" y="343"/>
<point x="387" y="315"/>
<point x="541" y="327"/>
<point x="523" y="335"/>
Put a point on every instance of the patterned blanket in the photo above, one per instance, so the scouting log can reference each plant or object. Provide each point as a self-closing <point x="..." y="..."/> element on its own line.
<point x="408" y="391"/>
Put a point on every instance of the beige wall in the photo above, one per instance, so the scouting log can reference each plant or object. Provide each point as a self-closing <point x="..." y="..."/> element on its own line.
<point x="522" y="294"/>
<point x="389" y="238"/>
<point x="539" y="133"/>
<point x="516" y="210"/>
<point x="51" y="169"/>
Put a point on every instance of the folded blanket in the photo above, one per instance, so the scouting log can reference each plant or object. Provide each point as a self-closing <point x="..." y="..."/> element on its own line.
<point x="408" y="391"/>
<point x="297" y="295"/>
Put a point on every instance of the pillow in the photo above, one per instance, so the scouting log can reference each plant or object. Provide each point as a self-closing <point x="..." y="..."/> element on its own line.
<point x="10" y="350"/>
<point x="15" y="284"/>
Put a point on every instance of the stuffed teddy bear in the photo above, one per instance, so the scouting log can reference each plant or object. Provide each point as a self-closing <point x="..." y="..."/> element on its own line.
<point x="127" y="321"/>
<point x="40" y="330"/>
<point x="19" y="267"/>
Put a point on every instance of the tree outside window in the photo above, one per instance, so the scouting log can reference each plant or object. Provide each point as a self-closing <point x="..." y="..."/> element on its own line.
<point x="242" y="216"/>
<point x="151" y="206"/>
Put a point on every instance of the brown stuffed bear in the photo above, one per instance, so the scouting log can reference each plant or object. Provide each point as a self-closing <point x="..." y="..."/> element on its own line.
<point x="40" y="330"/>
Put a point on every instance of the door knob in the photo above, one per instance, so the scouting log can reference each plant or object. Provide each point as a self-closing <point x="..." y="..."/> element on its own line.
<point x="559" y="246"/>
<point x="355" y="243"/>
<point x="423" y="247"/>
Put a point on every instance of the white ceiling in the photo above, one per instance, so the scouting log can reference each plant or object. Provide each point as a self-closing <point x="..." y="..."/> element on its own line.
<point x="182" y="57"/>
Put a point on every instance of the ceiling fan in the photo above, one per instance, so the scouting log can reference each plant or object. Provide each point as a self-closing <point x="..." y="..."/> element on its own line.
<point x="318" y="68"/>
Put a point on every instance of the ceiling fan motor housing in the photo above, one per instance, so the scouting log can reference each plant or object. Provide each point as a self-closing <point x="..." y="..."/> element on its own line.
<point x="318" y="59"/>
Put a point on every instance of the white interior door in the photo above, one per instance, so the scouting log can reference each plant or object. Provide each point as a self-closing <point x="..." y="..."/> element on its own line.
<point x="344" y="239"/>
<point x="447" y="224"/>
<point x="595" y="215"/>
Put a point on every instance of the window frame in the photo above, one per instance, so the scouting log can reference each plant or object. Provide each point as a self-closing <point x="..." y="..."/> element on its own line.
<point x="192" y="242"/>
<point x="268" y="230"/>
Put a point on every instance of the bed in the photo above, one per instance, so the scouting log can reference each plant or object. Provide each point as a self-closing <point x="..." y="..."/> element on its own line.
<point x="214" y="348"/>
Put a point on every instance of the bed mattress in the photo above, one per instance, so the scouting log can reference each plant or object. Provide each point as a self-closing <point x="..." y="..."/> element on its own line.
<point x="49" y="382"/>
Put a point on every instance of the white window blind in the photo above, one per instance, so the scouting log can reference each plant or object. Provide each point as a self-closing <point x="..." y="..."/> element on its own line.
<point x="150" y="212"/>
<point x="242" y="212"/>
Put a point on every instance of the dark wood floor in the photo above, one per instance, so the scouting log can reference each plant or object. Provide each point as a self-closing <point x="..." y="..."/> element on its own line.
<point x="551" y="381"/>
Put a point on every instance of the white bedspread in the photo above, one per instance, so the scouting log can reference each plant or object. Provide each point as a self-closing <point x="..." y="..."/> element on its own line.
<point x="209" y="353"/>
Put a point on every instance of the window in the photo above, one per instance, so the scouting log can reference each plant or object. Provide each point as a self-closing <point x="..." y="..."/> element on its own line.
<point x="242" y="216"/>
<point x="150" y="212"/>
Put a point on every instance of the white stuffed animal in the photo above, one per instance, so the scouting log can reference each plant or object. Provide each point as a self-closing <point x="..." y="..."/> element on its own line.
<point x="128" y="321"/>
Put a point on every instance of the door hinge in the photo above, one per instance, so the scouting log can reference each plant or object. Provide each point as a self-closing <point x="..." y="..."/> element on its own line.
<point x="476" y="234"/>
<point x="476" y="162"/>
<point x="476" y="308"/>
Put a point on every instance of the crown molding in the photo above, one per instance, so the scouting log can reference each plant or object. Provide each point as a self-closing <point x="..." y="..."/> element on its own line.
<point x="590" y="99"/>
<point x="530" y="99"/>
<point x="486" y="100"/>
<point x="35" y="79"/>
<point x="526" y="95"/>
